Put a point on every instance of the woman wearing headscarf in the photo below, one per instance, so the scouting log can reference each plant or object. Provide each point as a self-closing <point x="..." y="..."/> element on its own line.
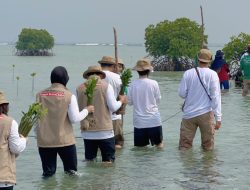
<point x="55" y="132"/>
<point x="221" y="67"/>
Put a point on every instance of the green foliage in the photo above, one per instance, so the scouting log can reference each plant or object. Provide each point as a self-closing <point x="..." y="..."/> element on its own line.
<point x="236" y="46"/>
<point x="126" y="79"/>
<point x="29" y="119"/>
<point x="181" y="37"/>
<point x="33" y="74"/>
<point x="34" y="40"/>
<point x="90" y="87"/>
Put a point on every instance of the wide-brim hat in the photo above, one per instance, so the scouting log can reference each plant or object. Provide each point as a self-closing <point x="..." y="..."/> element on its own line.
<point x="94" y="70"/>
<point x="143" y="65"/>
<point x="205" y="56"/>
<point x="120" y="61"/>
<point x="107" y="60"/>
<point x="3" y="99"/>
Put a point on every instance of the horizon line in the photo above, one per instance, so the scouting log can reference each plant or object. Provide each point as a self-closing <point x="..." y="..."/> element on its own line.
<point x="215" y="44"/>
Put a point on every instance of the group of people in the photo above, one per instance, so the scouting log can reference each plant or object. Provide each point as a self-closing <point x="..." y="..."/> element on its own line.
<point x="221" y="67"/>
<point x="200" y="87"/>
<point x="100" y="123"/>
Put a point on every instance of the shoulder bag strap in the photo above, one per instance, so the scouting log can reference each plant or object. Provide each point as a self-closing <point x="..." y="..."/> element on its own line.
<point x="202" y="83"/>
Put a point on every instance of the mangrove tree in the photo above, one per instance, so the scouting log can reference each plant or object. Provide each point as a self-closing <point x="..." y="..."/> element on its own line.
<point x="34" y="42"/>
<point x="173" y="45"/>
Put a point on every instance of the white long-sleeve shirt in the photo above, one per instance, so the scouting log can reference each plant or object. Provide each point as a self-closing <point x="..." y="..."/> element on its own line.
<point x="73" y="111"/>
<point x="144" y="94"/>
<point x="115" y="81"/>
<point x="113" y="106"/>
<point x="16" y="144"/>
<point x="197" y="101"/>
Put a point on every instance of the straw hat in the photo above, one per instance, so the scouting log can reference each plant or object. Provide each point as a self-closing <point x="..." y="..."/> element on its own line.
<point x="2" y="98"/>
<point x="107" y="60"/>
<point x="142" y="65"/>
<point x="92" y="70"/>
<point x="205" y="56"/>
<point x="120" y="61"/>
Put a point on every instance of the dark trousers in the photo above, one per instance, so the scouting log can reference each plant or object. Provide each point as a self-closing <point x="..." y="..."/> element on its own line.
<point x="7" y="188"/>
<point x="49" y="157"/>
<point x="107" y="147"/>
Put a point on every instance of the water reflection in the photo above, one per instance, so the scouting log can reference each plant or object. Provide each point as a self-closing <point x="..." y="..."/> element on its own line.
<point x="199" y="170"/>
<point x="134" y="168"/>
<point x="49" y="183"/>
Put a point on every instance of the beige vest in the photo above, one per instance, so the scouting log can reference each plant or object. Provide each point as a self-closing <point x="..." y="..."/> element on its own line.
<point x="7" y="159"/>
<point x="55" y="129"/>
<point x="100" y="120"/>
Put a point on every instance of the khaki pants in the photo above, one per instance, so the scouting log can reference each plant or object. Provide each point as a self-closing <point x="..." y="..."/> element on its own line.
<point x="118" y="131"/>
<point x="188" y="129"/>
<point x="246" y="84"/>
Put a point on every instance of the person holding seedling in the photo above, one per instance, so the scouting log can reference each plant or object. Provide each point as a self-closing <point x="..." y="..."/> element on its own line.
<point x="125" y="75"/>
<point x="55" y="131"/>
<point x="120" y="66"/>
<point x="110" y="68"/>
<point x="11" y="144"/>
<point x="97" y="129"/>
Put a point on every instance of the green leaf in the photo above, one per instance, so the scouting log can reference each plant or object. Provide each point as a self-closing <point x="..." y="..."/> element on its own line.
<point x="90" y="87"/>
<point x="35" y="113"/>
<point x="174" y="39"/>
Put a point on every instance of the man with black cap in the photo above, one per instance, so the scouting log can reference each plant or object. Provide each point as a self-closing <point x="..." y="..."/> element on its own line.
<point x="200" y="88"/>
<point x="55" y="134"/>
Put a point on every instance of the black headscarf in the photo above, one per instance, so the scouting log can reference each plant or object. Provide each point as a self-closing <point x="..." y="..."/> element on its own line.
<point x="59" y="75"/>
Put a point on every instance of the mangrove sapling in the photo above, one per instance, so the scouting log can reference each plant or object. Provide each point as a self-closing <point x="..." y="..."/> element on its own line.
<point x="29" y="119"/>
<point x="17" y="78"/>
<point x="126" y="79"/>
<point x="13" y="72"/>
<point x="33" y="80"/>
<point x="90" y="87"/>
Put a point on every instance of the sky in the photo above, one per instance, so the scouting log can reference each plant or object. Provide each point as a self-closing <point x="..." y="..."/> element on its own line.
<point x="92" y="21"/>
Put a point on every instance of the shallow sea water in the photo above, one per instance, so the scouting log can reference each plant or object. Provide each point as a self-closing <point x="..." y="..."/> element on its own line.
<point x="227" y="167"/>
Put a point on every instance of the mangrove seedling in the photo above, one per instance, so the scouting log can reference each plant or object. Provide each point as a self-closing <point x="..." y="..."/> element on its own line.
<point x="13" y="72"/>
<point x="29" y="119"/>
<point x="17" y="78"/>
<point x="33" y="80"/>
<point x="90" y="87"/>
<point x="126" y="79"/>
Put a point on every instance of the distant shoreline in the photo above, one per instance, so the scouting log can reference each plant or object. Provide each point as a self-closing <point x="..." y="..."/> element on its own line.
<point x="84" y="44"/>
<point x="108" y="44"/>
